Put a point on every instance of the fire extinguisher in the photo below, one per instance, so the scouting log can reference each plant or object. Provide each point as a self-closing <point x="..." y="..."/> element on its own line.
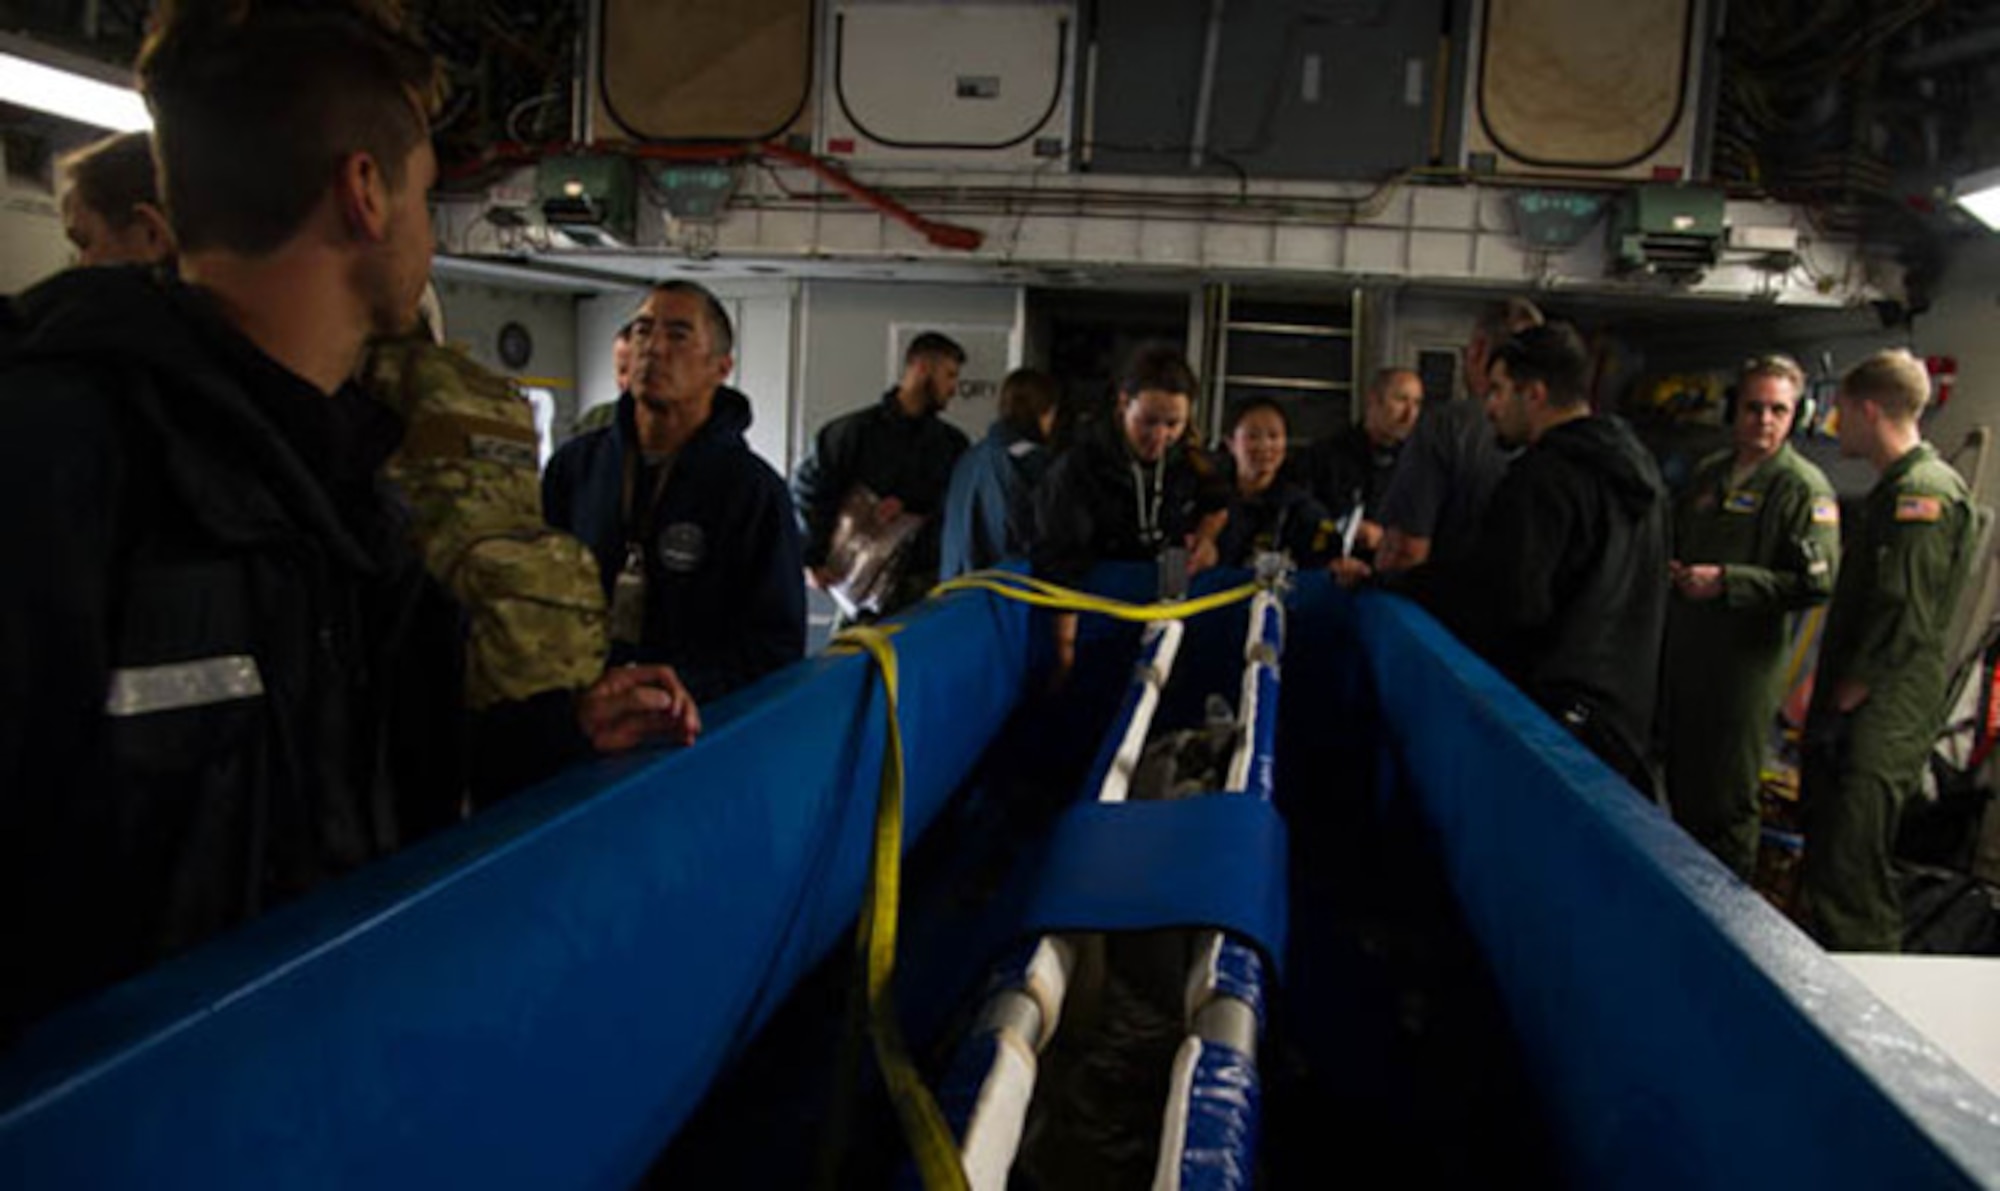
<point x="1944" y="375"/>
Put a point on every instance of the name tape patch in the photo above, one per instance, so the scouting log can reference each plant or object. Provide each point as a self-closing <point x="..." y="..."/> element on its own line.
<point x="1743" y="502"/>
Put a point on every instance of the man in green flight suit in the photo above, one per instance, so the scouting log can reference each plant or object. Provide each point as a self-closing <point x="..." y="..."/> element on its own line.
<point x="1879" y="698"/>
<point x="1756" y="538"/>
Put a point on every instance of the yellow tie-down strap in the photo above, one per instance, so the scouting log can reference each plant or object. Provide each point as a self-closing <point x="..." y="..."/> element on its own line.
<point x="931" y="1143"/>
<point x="1043" y="594"/>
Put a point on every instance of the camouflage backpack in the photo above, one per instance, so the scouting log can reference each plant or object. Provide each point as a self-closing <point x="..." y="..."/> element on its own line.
<point x="467" y="470"/>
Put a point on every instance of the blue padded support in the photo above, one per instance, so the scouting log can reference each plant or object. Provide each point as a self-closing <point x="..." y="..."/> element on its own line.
<point x="1216" y="860"/>
<point x="1680" y="1032"/>
<point x="539" y="997"/>
<point x="1222" y="1125"/>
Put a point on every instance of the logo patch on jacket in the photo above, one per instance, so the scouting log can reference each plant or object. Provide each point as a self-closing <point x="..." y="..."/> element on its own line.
<point x="1743" y="502"/>
<point x="1826" y="511"/>
<point x="1919" y="508"/>
<point x="682" y="546"/>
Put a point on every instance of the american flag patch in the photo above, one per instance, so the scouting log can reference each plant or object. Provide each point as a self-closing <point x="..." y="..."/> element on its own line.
<point x="1919" y="508"/>
<point x="1826" y="511"/>
<point x="1742" y="502"/>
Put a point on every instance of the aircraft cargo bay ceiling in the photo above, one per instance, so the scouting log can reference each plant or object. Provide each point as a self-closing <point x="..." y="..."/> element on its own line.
<point x="1795" y="151"/>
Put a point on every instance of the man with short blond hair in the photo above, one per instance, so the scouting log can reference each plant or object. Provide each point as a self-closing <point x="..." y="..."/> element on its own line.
<point x="1757" y="538"/>
<point x="1879" y="695"/>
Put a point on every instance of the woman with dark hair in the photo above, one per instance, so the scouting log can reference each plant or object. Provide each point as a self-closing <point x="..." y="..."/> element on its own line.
<point x="989" y="511"/>
<point x="1268" y="512"/>
<point x="1133" y="488"/>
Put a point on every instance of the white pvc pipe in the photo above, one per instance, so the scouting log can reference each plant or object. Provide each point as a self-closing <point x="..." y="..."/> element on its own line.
<point x="1000" y="1116"/>
<point x="1118" y="780"/>
<point x="1173" y="1122"/>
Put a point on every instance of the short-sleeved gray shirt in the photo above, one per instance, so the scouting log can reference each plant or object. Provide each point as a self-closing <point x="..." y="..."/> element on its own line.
<point x="1446" y="476"/>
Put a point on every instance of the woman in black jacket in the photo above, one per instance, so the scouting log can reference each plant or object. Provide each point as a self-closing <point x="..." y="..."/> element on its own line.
<point x="1267" y="511"/>
<point x="1132" y="488"/>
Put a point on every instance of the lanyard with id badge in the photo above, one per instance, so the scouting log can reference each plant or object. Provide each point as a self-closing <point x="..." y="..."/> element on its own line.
<point x="1172" y="558"/>
<point x="627" y="619"/>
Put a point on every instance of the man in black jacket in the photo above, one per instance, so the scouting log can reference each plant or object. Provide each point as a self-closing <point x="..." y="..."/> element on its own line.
<point x="1564" y="587"/>
<point x="224" y="674"/>
<point x="693" y="532"/>
<point x="1446" y="473"/>
<point x="1352" y="467"/>
<point x="900" y="450"/>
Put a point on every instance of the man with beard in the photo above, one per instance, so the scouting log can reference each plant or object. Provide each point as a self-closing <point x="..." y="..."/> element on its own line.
<point x="1446" y="474"/>
<point x="1564" y="587"/>
<point x="899" y="450"/>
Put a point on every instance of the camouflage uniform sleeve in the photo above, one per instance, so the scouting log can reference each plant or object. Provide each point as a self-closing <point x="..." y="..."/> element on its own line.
<point x="1808" y="551"/>
<point x="1906" y="617"/>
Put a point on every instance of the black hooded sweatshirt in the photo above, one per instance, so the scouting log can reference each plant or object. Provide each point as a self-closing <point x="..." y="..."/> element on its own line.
<point x="224" y="674"/>
<point x="725" y="588"/>
<point x="1564" y="587"/>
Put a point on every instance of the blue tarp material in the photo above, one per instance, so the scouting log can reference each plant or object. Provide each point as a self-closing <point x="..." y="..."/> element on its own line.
<point x="536" y="999"/>
<point x="1680" y="1032"/>
<point x="1217" y="860"/>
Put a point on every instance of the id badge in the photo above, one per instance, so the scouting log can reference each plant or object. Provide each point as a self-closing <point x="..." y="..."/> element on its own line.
<point x="1173" y="572"/>
<point x="627" y="620"/>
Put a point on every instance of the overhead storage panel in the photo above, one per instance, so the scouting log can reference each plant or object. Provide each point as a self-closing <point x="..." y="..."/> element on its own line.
<point x="984" y="85"/>
<point x="694" y="70"/>
<point x="1337" y="90"/>
<point x="1585" y="87"/>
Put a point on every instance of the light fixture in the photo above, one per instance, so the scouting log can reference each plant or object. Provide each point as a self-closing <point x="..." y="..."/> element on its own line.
<point x="1979" y="194"/>
<point x="34" y="76"/>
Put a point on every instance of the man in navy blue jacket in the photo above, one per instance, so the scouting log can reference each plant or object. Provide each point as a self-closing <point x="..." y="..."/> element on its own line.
<point x="694" y="533"/>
